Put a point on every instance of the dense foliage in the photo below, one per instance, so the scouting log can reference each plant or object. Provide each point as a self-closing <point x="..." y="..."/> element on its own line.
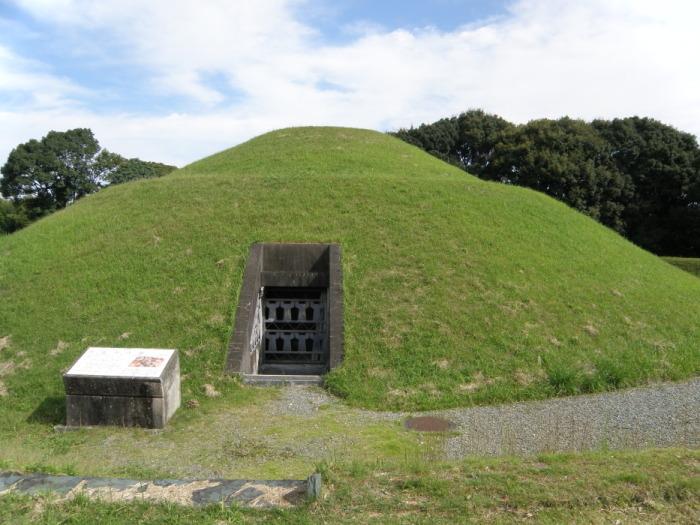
<point x="12" y="217"/>
<point x="635" y="175"/>
<point x="42" y="176"/>
<point x="134" y="169"/>
<point x="50" y="173"/>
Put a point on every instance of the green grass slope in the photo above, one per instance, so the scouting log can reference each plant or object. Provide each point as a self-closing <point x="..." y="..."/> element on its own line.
<point x="457" y="291"/>
<point x="689" y="264"/>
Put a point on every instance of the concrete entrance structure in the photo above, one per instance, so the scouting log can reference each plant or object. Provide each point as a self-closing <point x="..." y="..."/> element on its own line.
<point x="130" y="387"/>
<point x="289" y="321"/>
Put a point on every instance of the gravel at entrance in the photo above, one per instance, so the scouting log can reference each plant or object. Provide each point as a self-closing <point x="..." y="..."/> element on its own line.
<point x="301" y="400"/>
<point x="304" y="400"/>
<point x="656" y="416"/>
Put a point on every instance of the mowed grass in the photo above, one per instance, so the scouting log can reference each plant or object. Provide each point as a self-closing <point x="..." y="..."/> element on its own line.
<point x="656" y="486"/>
<point x="457" y="291"/>
<point x="243" y="434"/>
<point x="689" y="264"/>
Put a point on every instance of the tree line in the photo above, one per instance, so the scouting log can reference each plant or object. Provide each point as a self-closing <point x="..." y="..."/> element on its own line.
<point x="636" y="175"/>
<point x="42" y="176"/>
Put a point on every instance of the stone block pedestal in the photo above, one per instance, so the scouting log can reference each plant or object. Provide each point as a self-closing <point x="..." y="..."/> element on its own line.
<point x="129" y="387"/>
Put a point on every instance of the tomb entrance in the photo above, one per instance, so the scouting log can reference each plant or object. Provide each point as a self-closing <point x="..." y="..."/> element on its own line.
<point x="289" y="320"/>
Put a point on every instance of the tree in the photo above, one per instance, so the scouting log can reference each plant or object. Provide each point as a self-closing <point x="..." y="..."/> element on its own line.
<point x="478" y="134"/>
<point x="467" y="140"/>
<point x="13" y="217"/>
<point x="438" y="139"/>
<point x="664" y="166"/>
<point x="133" y="169"/>
<point x="41" y="176"/>
<point x="568" y="160"/>
<point x="60" y="168"/>
<point x="636" y="175"/>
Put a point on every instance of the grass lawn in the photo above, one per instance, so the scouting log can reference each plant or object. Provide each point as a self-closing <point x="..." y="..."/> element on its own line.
<point x="689" y="264"/>
<point x="245" y="433"/>
<point x="655" y="486"/>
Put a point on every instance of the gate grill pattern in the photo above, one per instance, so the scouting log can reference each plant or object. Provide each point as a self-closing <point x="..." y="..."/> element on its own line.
<point x="295" y="327"/>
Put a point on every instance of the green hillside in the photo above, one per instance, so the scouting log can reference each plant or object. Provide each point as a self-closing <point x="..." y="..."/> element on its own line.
<point x="457" y="291"/>
<point x="689" y="264"/>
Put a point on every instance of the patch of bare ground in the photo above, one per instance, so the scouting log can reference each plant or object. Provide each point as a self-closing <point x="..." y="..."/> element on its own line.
<point x="590" y="329"/>
<point x="442" y="364"/>
<point x="525" y="378"/>
<point x="6" y="368"/>
<point x="478" y="380"/>
<point x="210" y="391"/>
<point x="60" y="347"/>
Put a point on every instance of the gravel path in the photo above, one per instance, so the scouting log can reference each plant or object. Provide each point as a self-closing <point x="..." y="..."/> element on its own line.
<point x="661" y="415"/>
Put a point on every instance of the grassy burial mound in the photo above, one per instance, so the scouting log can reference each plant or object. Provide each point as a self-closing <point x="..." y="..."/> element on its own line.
<point x="457" y="291"/>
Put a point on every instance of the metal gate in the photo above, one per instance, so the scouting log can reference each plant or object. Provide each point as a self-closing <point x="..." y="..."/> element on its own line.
<point x="295" y="338"/>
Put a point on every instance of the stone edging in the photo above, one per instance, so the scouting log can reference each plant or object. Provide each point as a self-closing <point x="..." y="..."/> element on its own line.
<point x="246" y="493"/>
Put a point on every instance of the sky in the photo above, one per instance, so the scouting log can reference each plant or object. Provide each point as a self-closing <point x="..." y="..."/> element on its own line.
<point x="176" y="80"/>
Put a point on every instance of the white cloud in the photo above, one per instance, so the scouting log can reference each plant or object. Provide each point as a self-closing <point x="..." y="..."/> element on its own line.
<point x="545" y="58"/>
<point x="27" y="82"/>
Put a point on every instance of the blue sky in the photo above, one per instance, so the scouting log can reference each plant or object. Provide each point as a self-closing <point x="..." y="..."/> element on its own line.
<point x="174" y="80"/>
<point x="337" y="20"/>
